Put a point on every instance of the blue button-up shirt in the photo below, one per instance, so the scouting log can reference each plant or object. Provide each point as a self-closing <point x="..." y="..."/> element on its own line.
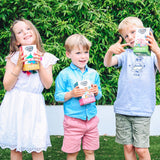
<point x="65" y="83"/>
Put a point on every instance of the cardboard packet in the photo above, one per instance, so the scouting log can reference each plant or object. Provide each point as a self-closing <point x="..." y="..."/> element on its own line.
<point x="140" y="45"/>
<point x="30" y="64"/>
<point x="88" y="97"/>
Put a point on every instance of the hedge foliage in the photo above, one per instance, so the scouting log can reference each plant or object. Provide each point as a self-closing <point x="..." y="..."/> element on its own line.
<point x="97" y="20"/>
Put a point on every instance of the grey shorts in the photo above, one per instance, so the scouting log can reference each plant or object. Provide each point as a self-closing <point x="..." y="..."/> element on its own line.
<point x="133" y="130"/>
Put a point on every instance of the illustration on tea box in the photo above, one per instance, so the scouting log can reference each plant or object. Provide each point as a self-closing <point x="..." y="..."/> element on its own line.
<point x="30" y="64"/>
<point x="140" y="45"/>
<point x="88" y="97"/>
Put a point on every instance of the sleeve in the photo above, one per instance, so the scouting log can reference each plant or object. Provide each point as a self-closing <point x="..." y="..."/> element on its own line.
<point x="13" y="58"/>
<point x="154" y="58"/>
<point x="49" y="59"/>
<point x="60" y="86"/>
<point x="97" y="80"/>
<point x="120" y="59"/>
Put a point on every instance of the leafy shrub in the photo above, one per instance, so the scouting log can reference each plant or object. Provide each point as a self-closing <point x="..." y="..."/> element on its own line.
<point x="97" y="20"/>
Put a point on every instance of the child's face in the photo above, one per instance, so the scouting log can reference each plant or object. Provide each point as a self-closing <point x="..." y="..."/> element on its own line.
<point x="79" y="57"/>
<point x="24" y="34"/>
<point x="128" y="33"/>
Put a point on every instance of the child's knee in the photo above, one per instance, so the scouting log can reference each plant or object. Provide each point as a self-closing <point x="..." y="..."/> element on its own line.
<point x="88" y="152"/>
<point x="129" y="148"/>
<point x="72" y="156"/>
<point x="142" y="151"/>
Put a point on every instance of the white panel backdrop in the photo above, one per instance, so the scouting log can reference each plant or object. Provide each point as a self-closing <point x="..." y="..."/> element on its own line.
<point x="106" y="116"/>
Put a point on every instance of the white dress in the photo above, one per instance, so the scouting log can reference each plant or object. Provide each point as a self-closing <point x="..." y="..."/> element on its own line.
<point x="23" y="121"/>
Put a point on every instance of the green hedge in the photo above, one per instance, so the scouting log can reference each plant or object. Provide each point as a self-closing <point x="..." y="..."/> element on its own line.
<point x="97" y="20"/>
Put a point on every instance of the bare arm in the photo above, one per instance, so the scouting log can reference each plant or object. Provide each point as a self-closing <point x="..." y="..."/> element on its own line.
<point x="117" y="48"/>
<point x="12" y="72"/>
<point x="158" y="60"/>
<point x="46" y="76"/>
<point x="110" y="60"/>
<point x="44" y="73"/>
<point x="10" y="76"/>
<point x="154" y="47"/>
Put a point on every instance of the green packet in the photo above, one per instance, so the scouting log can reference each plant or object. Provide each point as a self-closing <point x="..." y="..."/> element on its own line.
<point x="140" y="45"/>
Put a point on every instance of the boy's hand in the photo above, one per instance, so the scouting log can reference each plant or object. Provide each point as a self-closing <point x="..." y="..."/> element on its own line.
<point x="94" y="89"/>
<point x="154" y="47"/>
<point x="153" y="44"/>
<point x="117" y="48"/>
<point x="76" y="92"/>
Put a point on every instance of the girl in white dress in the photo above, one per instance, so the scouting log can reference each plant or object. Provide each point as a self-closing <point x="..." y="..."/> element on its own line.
<point x="23" y="122"/>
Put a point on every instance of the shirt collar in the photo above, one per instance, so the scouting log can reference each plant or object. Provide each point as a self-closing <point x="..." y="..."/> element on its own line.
<point x="75" y="67"/>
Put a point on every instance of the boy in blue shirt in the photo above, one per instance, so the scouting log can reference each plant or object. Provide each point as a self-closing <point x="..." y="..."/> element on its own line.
<point x="80" y="122"/>
<point x="136" y="97"/>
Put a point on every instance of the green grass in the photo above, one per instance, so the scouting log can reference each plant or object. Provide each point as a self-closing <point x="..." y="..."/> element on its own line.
<point x="109" y="150"/>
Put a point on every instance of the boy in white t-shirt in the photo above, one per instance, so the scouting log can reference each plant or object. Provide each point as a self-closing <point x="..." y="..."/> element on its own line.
<point x="136" y="97"/>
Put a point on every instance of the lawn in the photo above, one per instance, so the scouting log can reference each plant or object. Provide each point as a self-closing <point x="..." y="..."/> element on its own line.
<point x="109" y="150"/>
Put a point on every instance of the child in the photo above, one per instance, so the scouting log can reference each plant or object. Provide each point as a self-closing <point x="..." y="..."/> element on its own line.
<point x="23" y="123"/>
<point x="136" y="100"/>
<point x="80" y="122"/>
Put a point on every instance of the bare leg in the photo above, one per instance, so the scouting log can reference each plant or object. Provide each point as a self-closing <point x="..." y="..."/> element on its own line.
<point x="89" y="155"/>
<point x="129" y="152"/>
<point x="143" y="153"/>
<point x="37" y="156"/>
<point x="16" y="155"/>
<point x="72" y="156"/>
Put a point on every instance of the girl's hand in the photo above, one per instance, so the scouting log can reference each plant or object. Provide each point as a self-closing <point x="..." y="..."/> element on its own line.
<point x="37" y="56"/>
<point x="94" y="89"/>
<point x="153" y="44"/>
<point x="21" y="59"/>
<point x="117" y="48"/>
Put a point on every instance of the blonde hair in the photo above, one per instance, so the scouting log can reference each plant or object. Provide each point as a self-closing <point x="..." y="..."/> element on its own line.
<point x="77" y="40"/>
<point x="129" y="21"/>
<point x="13" y="45"/>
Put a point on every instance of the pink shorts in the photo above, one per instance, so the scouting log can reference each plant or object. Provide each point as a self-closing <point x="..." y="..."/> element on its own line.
<point x="77" y="130"/>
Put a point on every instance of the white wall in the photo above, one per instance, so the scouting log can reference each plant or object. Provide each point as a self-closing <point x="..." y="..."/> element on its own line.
<point x="106" y="125"/>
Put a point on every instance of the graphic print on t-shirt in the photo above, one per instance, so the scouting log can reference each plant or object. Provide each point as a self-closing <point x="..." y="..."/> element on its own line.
<point x="137" y="67"/>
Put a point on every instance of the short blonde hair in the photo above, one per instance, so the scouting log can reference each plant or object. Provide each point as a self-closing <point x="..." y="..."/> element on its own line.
<point x="77" y="40"/>
<point x="130" y="21"/>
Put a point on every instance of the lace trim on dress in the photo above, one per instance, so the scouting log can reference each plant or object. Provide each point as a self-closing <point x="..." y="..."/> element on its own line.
<point x="21" y="149"/>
